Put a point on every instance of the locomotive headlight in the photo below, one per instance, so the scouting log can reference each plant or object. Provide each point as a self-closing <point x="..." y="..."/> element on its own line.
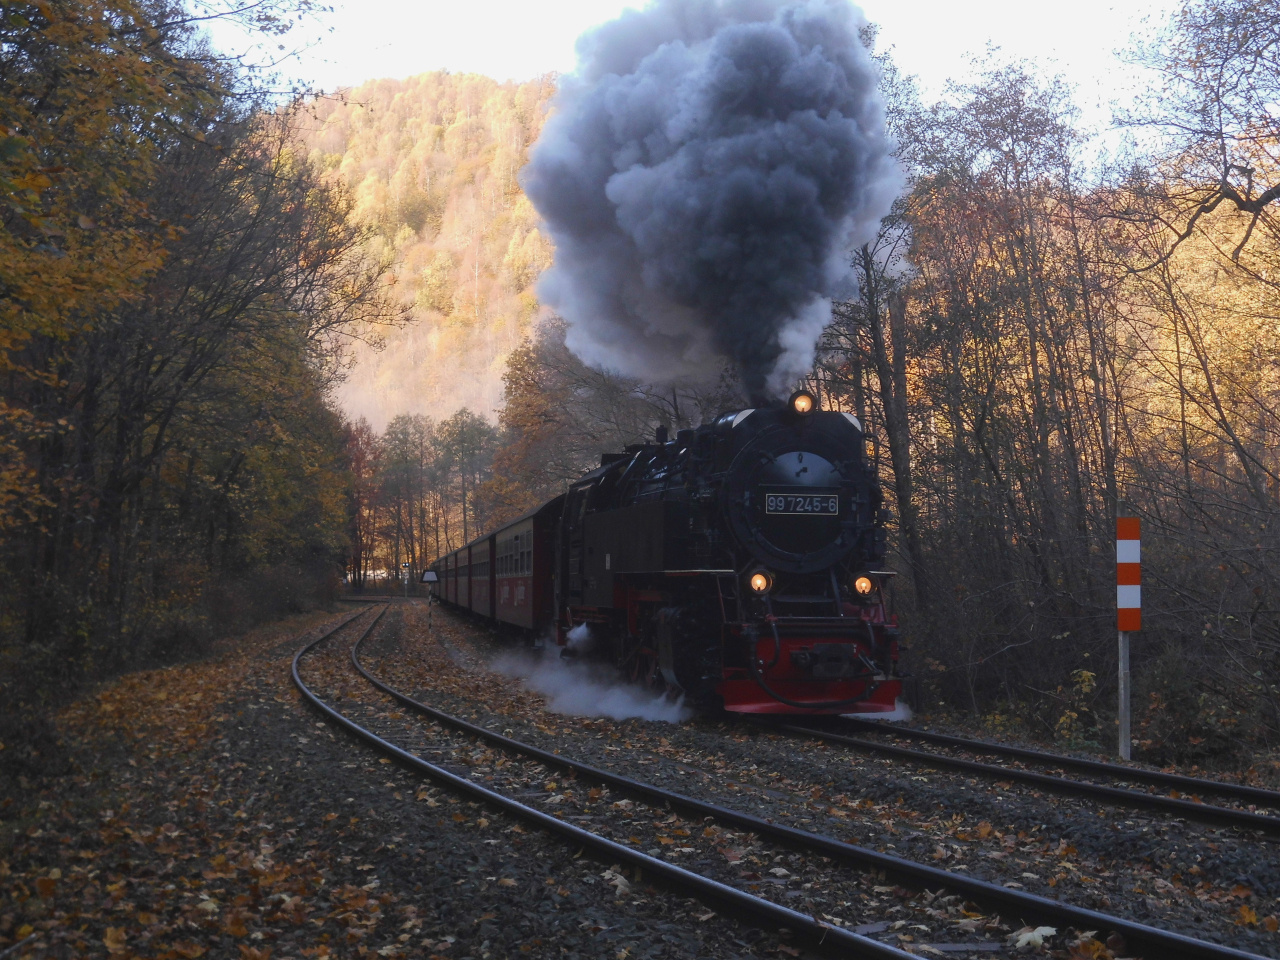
<point x="802" y="402"/>
<point x="863" y="585"/>
<point x="760" y="582"/>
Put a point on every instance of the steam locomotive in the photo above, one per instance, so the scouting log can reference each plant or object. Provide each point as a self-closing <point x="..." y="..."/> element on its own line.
<point x="736" y="564"/>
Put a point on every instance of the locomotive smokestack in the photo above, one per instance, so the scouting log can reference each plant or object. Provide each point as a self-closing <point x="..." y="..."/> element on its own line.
<point x="704" y="176"/>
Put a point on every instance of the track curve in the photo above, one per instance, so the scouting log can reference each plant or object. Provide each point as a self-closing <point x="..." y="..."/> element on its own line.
<point x="1238" y="791"/>
<point x="1137" y="799"/>
<point x="1153" y="941"/>
<point x="824" y="937"/>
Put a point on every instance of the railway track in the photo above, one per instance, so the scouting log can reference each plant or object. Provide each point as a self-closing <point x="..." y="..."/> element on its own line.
<point x="1065" y="786"/>
<point x="819" y="935"/>
<point x="1240" y="792"/>
<point x="1141" y="939"/>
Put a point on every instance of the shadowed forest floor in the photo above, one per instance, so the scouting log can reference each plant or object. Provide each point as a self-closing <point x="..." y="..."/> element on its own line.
<point x="208" y="813"/>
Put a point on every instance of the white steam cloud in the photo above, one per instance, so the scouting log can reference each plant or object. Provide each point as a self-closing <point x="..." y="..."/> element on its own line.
<point x="585" y="689"/>
<point x="579" y="638"/>
<point x="704" y="176"/>
<point x="900" y="711"/>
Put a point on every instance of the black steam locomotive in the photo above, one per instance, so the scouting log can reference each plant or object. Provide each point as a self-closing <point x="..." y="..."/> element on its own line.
<point x="736" y="563"/>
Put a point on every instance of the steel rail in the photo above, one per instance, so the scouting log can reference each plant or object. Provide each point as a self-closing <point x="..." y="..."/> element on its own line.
<point x="1156" y="942"/>
<point x="825" y="937"/>
<point x="1119" y="771"/>
<point x="1205" y="812"/>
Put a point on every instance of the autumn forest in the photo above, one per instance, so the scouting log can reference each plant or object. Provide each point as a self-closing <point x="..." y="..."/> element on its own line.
<point x="261" y="349"/>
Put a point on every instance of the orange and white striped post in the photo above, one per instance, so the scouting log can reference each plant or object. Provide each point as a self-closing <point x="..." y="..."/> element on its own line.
<point x="1128" y="611"/>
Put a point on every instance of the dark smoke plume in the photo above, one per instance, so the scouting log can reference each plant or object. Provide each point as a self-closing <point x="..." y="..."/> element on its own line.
<point x="704" y="176"/>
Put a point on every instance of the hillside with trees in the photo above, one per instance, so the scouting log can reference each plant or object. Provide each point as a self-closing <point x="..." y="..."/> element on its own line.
<point x="431" y="164"/>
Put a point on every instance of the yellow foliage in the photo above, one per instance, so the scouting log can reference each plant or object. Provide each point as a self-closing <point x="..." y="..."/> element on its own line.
<point x="433" y="162"/>
<point x="175" y="285"/>
<point x="83" y="116"/>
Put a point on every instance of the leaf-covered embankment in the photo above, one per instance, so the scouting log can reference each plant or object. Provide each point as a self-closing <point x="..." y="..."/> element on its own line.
<point x="209" y="813"/>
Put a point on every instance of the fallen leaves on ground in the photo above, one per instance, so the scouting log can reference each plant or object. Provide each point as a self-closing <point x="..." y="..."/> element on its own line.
<point x="157" y="853"/>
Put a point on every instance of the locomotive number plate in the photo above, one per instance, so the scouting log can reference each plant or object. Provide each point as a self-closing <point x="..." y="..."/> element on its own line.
<point x="825" y="504"/>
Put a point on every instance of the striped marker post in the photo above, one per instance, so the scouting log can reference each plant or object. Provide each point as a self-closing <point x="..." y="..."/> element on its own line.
<point x="1128" y="610"/>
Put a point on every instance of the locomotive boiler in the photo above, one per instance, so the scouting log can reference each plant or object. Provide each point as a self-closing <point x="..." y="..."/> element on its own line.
<point x="737" y="564"/>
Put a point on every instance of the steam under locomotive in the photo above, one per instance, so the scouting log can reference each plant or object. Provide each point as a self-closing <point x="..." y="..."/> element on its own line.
<point x="737" y="563"/>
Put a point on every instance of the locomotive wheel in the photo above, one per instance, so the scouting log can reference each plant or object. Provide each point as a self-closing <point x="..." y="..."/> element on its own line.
<point x="644" y="670"/>
<point x="687" y="639"/>
<point x="641" y="668"/>
<point x="672" y="656"/>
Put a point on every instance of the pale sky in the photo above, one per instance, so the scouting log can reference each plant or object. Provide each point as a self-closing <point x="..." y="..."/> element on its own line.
<point x="519" y="39"/>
